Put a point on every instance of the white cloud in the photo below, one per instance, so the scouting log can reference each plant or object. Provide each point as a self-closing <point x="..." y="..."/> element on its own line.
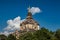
<point x="35" y="10"/>
<point x="14" y="24"/>
<point x="5" y="33"/>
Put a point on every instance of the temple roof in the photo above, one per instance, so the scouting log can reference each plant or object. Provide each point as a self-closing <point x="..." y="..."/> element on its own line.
<point x="29" y="21"/>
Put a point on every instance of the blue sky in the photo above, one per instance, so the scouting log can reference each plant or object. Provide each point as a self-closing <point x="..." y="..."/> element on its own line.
<point x="48" y="18"/>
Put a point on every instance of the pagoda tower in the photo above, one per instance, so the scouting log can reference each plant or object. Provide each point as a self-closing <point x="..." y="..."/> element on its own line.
<point x="29" y="24"/>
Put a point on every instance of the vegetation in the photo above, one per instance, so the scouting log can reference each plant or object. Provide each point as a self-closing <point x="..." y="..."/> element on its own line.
<point x="43" y="34"/>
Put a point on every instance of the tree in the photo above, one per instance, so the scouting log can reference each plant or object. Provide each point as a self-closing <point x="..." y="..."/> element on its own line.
<point x="3" y="37"/>
<point x="42" y="34"/>
<point x="57" y="34"/>
<point x="11" y="37"/>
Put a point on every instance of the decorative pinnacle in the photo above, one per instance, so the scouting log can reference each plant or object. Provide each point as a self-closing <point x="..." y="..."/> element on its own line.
<point x="29" y="9"/>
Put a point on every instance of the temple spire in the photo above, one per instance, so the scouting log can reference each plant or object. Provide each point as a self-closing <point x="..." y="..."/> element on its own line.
<point x="29" y="15"/>
<point x="29" y="9"/>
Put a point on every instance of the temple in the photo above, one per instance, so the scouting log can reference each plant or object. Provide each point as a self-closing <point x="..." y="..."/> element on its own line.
<point x="29" y="24"/>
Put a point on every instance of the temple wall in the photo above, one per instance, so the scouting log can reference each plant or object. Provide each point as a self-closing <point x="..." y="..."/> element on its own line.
<point x="29" y="26"/>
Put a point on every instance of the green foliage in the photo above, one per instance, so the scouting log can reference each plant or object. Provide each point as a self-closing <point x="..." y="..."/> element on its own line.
<point x="42" y="34"/>
<point x="11" y="37"/>
<point x="57" y="34"/>
<point x="3" y="37"/>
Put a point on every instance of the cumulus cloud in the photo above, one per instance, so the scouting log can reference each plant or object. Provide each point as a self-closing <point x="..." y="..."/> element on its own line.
<point x="12" y="25"/>
<point x="35" y="10"/>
